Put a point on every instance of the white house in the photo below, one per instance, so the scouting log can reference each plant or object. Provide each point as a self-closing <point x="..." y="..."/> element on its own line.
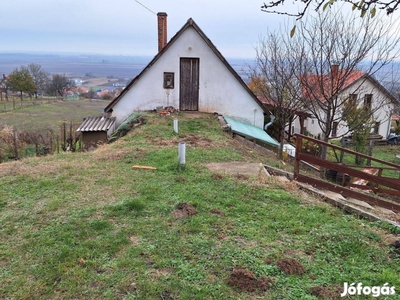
<point x="367" y="92"/>
<point x="189" y="74"/>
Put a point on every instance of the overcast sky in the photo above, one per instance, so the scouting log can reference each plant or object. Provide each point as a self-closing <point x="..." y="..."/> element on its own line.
<point x="125" y="27"/>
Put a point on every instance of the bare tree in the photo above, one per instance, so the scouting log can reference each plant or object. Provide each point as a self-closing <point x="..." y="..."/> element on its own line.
<point x="3" y="87"/>
<point x="274" y="79"/>
<point x="59" y="85"/>
<point x="40" y="77"/>
<point x="339" y="51"/>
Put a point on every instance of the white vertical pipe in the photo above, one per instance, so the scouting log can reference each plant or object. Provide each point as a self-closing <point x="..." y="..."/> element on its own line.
<point x="176" y="125"/>
<point x="182" y="153"/>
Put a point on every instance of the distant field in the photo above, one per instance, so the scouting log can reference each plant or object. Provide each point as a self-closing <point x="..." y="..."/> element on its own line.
<point x="76" y="65"/>
<point x="50" y="116"/>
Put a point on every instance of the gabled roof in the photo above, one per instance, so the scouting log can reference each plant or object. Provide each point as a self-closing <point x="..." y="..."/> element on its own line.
<point x="318" y="84"/>
<point x="96" y="124"/>
<point x="377" y="84"/>
<point x="190" y="23"/>
<point x="314" y="87"/>
<point x="266" y="100"/>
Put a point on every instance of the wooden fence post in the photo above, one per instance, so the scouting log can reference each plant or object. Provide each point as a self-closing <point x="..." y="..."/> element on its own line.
<point x="16" y="144"/>
<point x="296" y="169"/>
<point x="64" y="146"/>
<point x="51" y="143"/>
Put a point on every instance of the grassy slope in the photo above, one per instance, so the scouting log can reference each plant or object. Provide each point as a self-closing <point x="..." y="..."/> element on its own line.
<point x="86" y="225"/>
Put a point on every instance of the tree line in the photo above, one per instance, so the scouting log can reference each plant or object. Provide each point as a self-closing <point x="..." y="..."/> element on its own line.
<point x="33" y="80"/>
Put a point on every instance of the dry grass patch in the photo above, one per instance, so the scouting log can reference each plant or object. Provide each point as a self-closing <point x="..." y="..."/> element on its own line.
<point x="49" y="165"/>
<point x="135" y="241"/>
<point x="191" y="140"/>
<point x="39" y="167"/>
<point x="156" y="274"/>
<point x="106" y="153"/>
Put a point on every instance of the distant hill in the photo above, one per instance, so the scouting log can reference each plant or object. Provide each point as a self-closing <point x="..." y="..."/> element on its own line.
<point x="120" y="66"/>
<point x="77" y="65"/>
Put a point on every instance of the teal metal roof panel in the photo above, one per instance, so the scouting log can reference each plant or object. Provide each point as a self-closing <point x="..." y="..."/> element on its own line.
<point x="250" y="131"/>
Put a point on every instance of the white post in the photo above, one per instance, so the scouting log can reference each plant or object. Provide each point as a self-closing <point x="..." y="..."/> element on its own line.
<point x="182" y="154"/>
<point x="176" y="125"/>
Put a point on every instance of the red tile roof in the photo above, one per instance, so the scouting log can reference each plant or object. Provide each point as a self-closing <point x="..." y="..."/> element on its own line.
<point x="266" y="101"/>
<point x="321" y="87"/>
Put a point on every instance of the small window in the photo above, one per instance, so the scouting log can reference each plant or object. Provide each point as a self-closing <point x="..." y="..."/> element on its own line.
<point x="368" y="101"/>
<point x="168" y="80"/>
<point x="334" y="128"/>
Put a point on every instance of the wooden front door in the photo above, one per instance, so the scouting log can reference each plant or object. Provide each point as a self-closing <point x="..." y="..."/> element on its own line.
<point x="189" y="84"/>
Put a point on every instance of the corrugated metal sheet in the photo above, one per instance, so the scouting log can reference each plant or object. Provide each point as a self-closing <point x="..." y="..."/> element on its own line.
<point x="96" y="124"/>
<point x="250" y="131"/>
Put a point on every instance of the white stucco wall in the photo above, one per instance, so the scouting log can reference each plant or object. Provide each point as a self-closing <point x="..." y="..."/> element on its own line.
<point x="219" y="90"/>
<point x="381" y="106"/>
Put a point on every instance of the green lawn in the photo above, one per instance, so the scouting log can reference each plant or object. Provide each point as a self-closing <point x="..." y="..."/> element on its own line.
<point x="88" y="226"/>
<point x="386" y="153"/>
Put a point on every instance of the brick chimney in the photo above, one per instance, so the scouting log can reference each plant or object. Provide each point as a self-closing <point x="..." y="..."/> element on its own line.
<point x="162" y="30"/>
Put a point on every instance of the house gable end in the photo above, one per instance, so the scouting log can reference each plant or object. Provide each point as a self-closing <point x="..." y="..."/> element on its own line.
<point x="189" y="24"/>
<point x="374" y="82"/>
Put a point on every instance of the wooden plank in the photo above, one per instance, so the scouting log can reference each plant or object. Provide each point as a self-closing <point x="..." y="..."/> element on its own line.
<point x="362" y="181"/>
<point x="143" y="167"/>
<point x="348" y="193"/>
<point x="388" y="182"/>
<point x="361" y="177"/>
<point x="396" y="166"/>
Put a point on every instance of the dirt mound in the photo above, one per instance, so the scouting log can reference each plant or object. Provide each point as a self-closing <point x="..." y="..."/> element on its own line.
<point x="195" y="140"/>
<point x="241" y="177"/>
<point x="184" y="210"/>
<point x="217" y="212"/>
<point x="290" y="266"/>
<point x="245" y="280"/>
<point x="217" y="176"/>
<point x="166" y="295"/>
<point x="180" y="179"/>
<point x="264" y="283"/>
<point x="396" y="246"/>
<point x="327" y="292"/>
